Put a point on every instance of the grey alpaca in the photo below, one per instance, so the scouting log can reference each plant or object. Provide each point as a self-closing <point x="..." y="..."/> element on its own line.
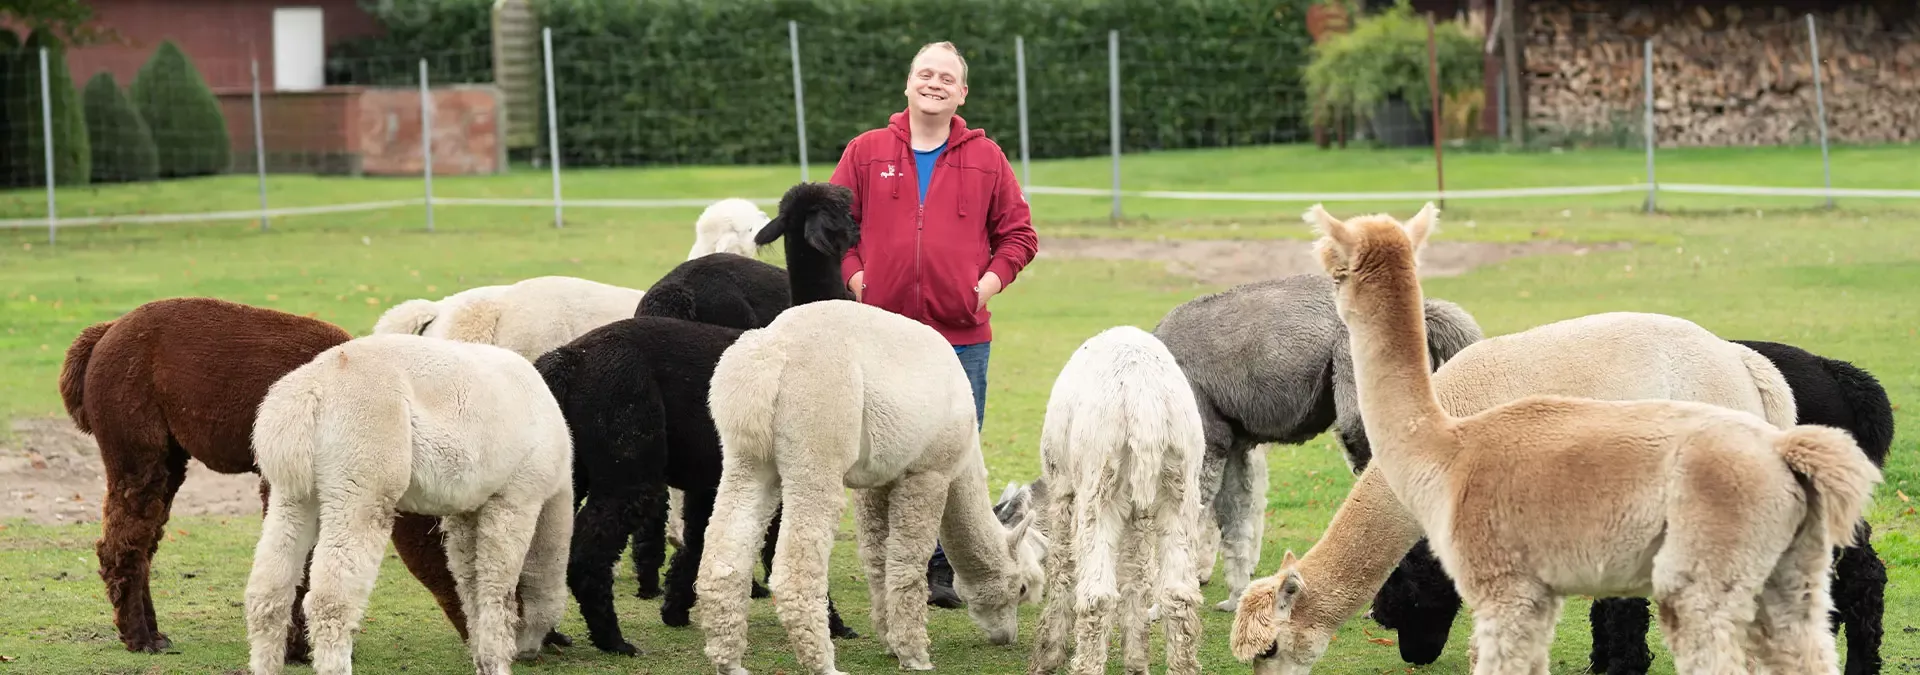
<point x="1268" y="362"/>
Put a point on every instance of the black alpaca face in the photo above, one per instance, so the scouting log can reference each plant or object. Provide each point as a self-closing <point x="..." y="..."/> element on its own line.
<point x="825" y="212"/>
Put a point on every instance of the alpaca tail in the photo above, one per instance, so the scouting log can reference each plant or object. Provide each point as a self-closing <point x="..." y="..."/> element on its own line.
<point x="285" y="428"/>
<point x="744" y="394"/>
<point x="1872" y="414"/>
<point x="1839" y="478"/>
<point x="477" y="321"/>
<point x="1776" y="396"/>
<point x="73" y="374"/>
<point x="410" y="317"/>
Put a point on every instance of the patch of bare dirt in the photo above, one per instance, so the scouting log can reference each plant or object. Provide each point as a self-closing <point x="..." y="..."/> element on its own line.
<point x="50" y="474"/>
<point x="1233" y="262"/>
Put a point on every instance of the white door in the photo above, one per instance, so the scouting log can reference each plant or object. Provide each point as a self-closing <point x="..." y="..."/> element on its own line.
<point x="299" y="49"/>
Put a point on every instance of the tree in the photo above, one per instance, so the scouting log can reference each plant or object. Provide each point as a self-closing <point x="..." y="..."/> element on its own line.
<point x="123" y="149"/>
<point x="72" y="156"/>
<point x="189" y="131"/>
<point x="64" y="19"/>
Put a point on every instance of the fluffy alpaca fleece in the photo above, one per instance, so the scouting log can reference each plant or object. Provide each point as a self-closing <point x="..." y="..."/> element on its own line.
<point x="835" y="395"/>
<point x="179" y="379"/>
<point x="396" y="422"/>
<point x="1727" y="521"/>
<point x="635" y="394"/>
<point x="1268" y="362"/>
<point x="1618" y="356"/>
<point x="1120" y="453"/>
<point x="529" y="318"/>
<point x="727" y="226"/>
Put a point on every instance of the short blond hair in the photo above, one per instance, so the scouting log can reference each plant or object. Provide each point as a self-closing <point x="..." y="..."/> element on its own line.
<point x="943" y="44"/>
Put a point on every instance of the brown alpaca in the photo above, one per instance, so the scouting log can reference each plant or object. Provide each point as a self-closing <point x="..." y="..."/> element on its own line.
<point x="1726" y="521"/>
<point x="180" y="378"/>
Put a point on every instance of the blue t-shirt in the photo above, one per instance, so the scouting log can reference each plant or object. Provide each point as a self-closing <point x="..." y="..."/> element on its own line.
<point x="924" y="160"/>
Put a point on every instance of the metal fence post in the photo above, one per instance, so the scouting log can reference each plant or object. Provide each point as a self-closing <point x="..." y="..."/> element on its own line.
<point x="799" y="96"/>
<point x="1020" y="68"/>
<point x="553" y="124"/>
<point x="259" y="144"/>
<point x="426" y="139"/>
<point x="1647" y="63"/>
<point x="1820" y="103"/>
<point x="46" y="135"/>
<point x="1113" y="106"/>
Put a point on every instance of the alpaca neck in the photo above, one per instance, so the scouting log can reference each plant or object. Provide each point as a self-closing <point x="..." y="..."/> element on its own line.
<point x="974" y="540"/>
<point x="1367" y="538"/>
<point x="1386" y="322"/>
<point x="812" y="276"/>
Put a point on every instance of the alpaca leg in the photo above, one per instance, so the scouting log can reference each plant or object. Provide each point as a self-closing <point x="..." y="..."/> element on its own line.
<point x="1703" y="628"/>
<point x="1794" y="605"/>
<point x="1136" y="570"/>
<point x="650" y="540"/>
<point x="543" y="577"/>
<point x="1179" y="598"/>
<point x="800" y="568"/>
<point x="915" y="508"/>
<point x="502" y="541"/>
<point x="600" y="532"/>
<point x="1620" y="627"/>
<point x="870" y="516"/>
<point x="1513" y="628"/>
<point x="141" y="479"/>
<point x="1242" y="504"/>
<point x="679" y="599"/>
<point x="1056" y="617"/>
<point x="353" y="536"/>
<point x="1213" y="467"/>
<point x="287" y="535"/>
<point x="742" y="507"/>
<point x="1098" y="517"/>
<point x="1859" y="588"/>
<point x="835" y="626"/>
<point x="298" y="651"/>
<point x="422" y="548"/>
<point x="459" y="530"/>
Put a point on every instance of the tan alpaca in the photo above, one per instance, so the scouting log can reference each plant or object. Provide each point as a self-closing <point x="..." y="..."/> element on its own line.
<point x="1611" y="356"/>
<point x="1723" y="519"/>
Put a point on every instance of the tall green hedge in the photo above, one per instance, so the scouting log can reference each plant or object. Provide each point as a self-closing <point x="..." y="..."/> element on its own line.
<point x="189" y="130"/>
<point x="454" y="36"/>
<point x="24" y="163"/>
<point x="710" y="81"/>
<point x="123" y="149"/>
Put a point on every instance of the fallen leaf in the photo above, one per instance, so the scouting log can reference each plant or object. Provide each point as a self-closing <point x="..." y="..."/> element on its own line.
<point x="34" y="458"/>
<point x="1901" y="495"/>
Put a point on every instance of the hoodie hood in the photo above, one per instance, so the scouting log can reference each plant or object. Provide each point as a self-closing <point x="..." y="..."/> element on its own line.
<point x="957" y="134"/>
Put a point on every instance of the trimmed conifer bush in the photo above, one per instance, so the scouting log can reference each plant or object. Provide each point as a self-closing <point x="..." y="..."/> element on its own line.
<point x="189" y="131"/>
<point x="72" y="159"/>
<point x="123" y="149"/>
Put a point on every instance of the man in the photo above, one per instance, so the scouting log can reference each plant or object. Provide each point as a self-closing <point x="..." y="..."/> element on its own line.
<point x="944" y="225"/>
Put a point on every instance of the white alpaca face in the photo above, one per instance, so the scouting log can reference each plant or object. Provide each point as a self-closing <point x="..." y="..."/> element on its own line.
<point x="997" y="610"/>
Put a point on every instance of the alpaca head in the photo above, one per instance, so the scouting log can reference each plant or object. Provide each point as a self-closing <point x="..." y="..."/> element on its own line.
<point x="821" y="214"/>
<point x="1275" y="626"/>
<point x="1366" y="250"/>
<point x="728" y="226"/>
<point x="996" y="607"/>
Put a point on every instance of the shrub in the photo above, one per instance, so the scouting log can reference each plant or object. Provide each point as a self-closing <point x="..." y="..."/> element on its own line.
<point x="1384" y="59"/>
<point x="25" y="164"/>
<point x="123" y="149"/>
<point x="189" y="130"/>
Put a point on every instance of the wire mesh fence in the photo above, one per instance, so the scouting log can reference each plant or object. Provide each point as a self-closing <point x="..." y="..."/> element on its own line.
<point x="220" y="139"/>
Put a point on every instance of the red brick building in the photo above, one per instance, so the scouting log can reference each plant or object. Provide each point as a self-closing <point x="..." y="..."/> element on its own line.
<point x="222" y="36"/>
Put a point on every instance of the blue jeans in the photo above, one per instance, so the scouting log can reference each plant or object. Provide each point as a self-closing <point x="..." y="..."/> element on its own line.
<point x="973" y="358"/>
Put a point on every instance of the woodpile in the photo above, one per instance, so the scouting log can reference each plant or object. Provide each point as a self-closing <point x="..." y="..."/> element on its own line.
<point x="1723" y="75"/>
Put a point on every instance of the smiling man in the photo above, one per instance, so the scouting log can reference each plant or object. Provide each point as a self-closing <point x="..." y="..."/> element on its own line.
<point x="944" y="225"/>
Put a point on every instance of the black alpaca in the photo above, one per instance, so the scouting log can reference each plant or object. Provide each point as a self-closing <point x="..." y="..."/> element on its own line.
<point x="635" y="396"/>
<point x="1419" y="600"/>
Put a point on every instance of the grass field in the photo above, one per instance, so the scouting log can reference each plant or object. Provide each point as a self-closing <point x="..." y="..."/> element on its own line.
<point x="1841" y="283"/>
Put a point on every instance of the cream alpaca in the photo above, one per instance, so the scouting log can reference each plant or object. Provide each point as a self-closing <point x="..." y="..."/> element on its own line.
<point x="1120" y="454"/>
<point x="1285" y="621"/>
<point x="833" y="395"/>
<point x="530" y="317"/>
<point x="728" y="226"/>
<point x="1711" y="511"/>
<point x="390" y="423"/>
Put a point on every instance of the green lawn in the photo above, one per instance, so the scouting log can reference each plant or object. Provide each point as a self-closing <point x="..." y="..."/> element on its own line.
<point x="1839" y="283"/>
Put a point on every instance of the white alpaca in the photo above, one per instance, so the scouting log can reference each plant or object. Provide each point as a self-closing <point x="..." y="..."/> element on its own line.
<point x="833" y="395"/>
<point x="530" y="317"/>
<point x="1120" y="454"/>
<point x="1285" y="622"/>
<point x="728" y="226"/>
<point x="387" y="423"/>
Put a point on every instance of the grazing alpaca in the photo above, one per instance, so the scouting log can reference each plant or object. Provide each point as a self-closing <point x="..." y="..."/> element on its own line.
<point x="835" y="395"/>
<point x="727" y="226"/>
<point x="1611" y="356"/>
<point x="1120" y="452"/>
<point x="529" y="318"/>
<point x="180" y="379"/>
<point x="396" y="422"/>
<point x="1727" y="521"/>
<point x="1268" y="362"/>
<point x="1828" y="392"/>
<point x="635" y="395"/>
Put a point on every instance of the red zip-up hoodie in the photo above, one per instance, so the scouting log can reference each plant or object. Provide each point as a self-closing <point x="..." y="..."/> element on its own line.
<point x="923" y="261"/>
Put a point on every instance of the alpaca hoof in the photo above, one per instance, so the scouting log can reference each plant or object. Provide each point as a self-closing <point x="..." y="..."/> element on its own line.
<point x="1228" y="605"/>
<point x="158" y="643"/>
<point x="677" y="617"/>
<point x="759" y="591"/>
<point x="916" y="664"/>
<point x="842" y="632"/>
<point x="558" y="639"/>
<point x="731" y="669"/>
<point x="648" y="593"/>
<point x="625" y="648"/>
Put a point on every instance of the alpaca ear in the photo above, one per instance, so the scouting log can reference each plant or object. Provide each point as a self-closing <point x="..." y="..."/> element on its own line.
<point x="775" y="227"/>
<point x="1334" y="248"/>
<point x="1287" y="560"/>
<point x="1018" y="534"/>
<point x="1290" y="587"/>
<point x="1421" y="225"/>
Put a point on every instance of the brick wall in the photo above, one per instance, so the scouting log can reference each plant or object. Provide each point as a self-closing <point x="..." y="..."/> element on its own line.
<point x="367" y="130"/>
<point x="220" y="36"/>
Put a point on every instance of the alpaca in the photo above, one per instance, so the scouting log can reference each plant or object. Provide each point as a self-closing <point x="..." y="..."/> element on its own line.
<point x="1610" y="356"/>
<point x="1120" y="452"/>
<point x="1727" y="521"/>
<point x="392" y="422"/>
<point x="727" y="226"/>
<point x="1268" y="362"/>
<point x="1829" y="392"/>
<point x="179" y="379"/>
<point x="635" y="394"/>
<point x="529" y="317"/>
<point x="835" y="395"/>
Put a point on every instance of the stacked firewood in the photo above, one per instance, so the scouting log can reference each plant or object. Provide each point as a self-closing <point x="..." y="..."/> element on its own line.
<point x="1722" y="75"/>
